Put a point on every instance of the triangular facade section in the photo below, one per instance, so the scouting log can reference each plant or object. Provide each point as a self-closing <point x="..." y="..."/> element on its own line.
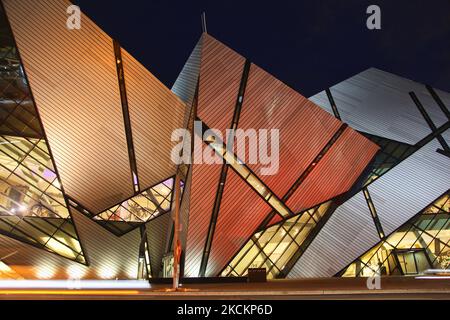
<point x="33" y="207"/>
<point x="157" y="239"/>
<point x="228" y="91"/>
<point x="186" y="84"/>
<point x="215" y="71"/>
<point x="141" y="208"/>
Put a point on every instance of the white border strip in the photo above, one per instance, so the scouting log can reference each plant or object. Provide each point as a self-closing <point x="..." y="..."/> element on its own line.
<point x="74" y="284"/>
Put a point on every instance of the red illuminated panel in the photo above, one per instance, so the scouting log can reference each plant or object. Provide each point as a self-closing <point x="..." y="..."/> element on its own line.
<point x="220" y="77"/>
<point x="336" y="172"/>
<point x="205" y="179"/>
<point x="276" y="218"/>
<point x="241" y="212"/>
<point x="304" y="127"/>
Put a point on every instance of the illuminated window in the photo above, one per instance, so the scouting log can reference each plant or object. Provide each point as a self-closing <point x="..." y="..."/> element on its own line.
<point x="274" y="247"/>
<point x="420" y="244"/>
<point x="139" y="209"/>
<point x="33" y="208"/>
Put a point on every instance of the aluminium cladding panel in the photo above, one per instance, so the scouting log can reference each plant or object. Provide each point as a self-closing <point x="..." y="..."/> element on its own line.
<point x="73" y="77"/>
<point x="348" y="233"/>
<point x="378" y="103"/>
<point x="276" y="218"/>
<point x="397" y="196"/>
<point x="220" y="78"/>
<point x="410" y="186"/>
<point x="157" y="240"/>
<point x="186" y="83"/>
<point x="241" y="212"/>
<point x="304" y="128"/>
<point x="108" y="256"/>
<point x="155" y="112"/>
<point x="337" y="171"/>
<point x="205" y="180"/>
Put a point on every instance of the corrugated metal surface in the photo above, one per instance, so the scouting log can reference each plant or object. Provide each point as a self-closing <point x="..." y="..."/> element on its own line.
<point x="276" y="218"/>
<point x="220" y="77"/>
<point x="411" y="186"/>
<point x="154" y="113"/>
<point x="73" y="77"/>
<point x="304" y="128"/>
<point x="157" y="240"/>
<point x="336" y="172"/>
<point x="364" y="100"/>
<point x="241" y="212"/>
<point x="348" y="233"/>
<point x="398" y="195"/>
<point x="186" y="83"/>
<point x="377" y="102"/>
<point x="205" y="179"/>
<point x="109" y="256"/>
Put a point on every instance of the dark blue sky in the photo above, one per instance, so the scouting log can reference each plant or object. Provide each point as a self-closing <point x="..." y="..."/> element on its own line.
<point x="309" y="45"/>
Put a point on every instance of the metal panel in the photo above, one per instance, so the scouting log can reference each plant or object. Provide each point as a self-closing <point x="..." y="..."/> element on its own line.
<point x="109" y="256"/>
<point x="220" y="76"/>
<point x="364" y="101"/>
<point x="186" y="83"/>
<point x="347" y="234"/>
<point x="154" y="113"/>
<point x="73" y="77"/>
<point x="411" y="186"/>
<point x="304" y="128"/>
<point x="157" y="238"/>
<point x="398" y="195"/>
<point x="336" y="172"/>
<point x="241" y="211"/>
<point x="205" y="179"/>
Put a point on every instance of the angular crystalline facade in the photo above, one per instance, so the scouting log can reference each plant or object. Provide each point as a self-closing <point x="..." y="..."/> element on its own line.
<point x="319" y="156"/>
<point x="87" y="177"/>
<point x="413" y="131"/>
<point x="86" y="130"/>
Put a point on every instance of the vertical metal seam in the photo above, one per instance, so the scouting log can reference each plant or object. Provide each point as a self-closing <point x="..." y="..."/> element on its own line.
<point x="429" y="121"/>
<point x="224" y="172"/>
<point x="438" y="101"/>
<point x="126" y="116"/>
<point x="433" y="135"/>
<point x="143" y="248"/>
<point x="333" y="104"/>
<point x="373" y="211"/>
<point x="187" y="193"/>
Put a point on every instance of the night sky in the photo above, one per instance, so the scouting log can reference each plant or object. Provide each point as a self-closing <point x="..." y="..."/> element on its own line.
<point x="310" y="45"/>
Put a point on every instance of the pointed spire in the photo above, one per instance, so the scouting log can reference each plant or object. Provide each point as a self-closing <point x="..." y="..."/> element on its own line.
<point x="205" y="30"/>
